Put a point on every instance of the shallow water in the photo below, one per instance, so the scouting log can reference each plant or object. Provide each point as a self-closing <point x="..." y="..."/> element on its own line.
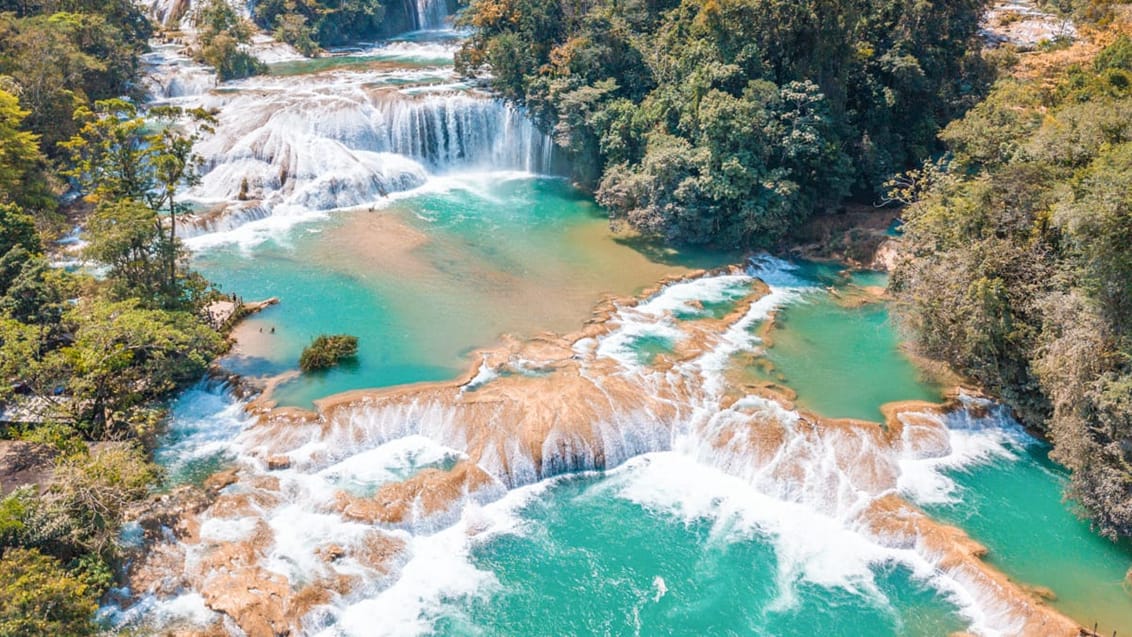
<point x="426" y="281"/>
<point x="1015" y="507"/>
<point x="843" y="361"/>
<point x="665" y="544"/>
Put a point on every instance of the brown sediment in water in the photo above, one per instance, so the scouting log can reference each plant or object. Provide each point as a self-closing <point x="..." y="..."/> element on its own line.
<point x="856" y="296"/>
<point x="469" y="281"/>
<point x="252" y="338"/>
<point x="937" y="371"/>
<point x="553" y="405"/>
<point x="382" y="241"/>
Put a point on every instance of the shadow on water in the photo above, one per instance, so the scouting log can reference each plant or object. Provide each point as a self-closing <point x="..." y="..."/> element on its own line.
<point x="658" y="251"/>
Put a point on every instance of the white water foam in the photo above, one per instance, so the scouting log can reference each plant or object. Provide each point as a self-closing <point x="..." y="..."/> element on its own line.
<point x="970" y="442"/>
<point x="205" y="421"/>
<point x="810" y="547"/>
<point x="289" y="149"/>
<point x="811" y="519"/>
<point x="187" y="610"/>
<point x="440" y="52"/>
<point x="278" y="225"/>
<point x="439" y="570"/>
<point x="365" y="471"/>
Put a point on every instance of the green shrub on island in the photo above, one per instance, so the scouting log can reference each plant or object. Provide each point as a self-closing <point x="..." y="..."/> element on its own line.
<point x="327" y="351"/>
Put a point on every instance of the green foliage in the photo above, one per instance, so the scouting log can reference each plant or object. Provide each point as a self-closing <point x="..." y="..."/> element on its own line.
<point x="16" y="230"/>
<point x="84" y="359"/>
<point x="118" y="155"/>
<point x="220" y="33"/>
<point x="34" y="296"/>
<point x="127" y="237"/>
<point x="1020" y="274"/>
<point x="14" y="509"/>
<point x="58" y="58"/>
<point x="125" y="356"/>
<point x="1117" y="55"/>
<point x="309" y="24"/>
<point x="1097" y="220"/>
<point x="62" y="438"/>
<point x="730" y="121"/>
<point x="38" y="597"/>
<point x="294" y="29"/>
<point x="327" y="351"/>
<point x="22" y="183"/>
<point x="73" y="522"/>
<point x="93" y="492"/>
<point x="76" y="516"/>
<point x="120" y="161"/>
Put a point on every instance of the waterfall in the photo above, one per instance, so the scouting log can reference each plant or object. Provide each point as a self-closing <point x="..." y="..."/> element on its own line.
<point x="320" y="145"/>
<point x="462" y="131"/>
<point x="430" y="14"/>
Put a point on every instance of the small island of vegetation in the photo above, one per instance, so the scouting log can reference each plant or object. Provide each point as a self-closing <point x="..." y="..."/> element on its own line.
<point x="326" y="351"/>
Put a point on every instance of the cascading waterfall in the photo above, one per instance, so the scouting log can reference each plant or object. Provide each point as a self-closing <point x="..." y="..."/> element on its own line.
<point x="431" y="14"/>
<point x="428" y="472"/>
<point x="372" y="507"/>
<point x="291" y="154"/>
<point x="171" y="75"/>
<point x="463" y="131"/>
<point x="294" y="146"/>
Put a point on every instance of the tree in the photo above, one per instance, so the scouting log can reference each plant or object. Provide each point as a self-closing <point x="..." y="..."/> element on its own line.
<point x="16" y="230"/>
<point x="58" y="60"/>
<point x="93" y="492"/>
<point x="110" y="153"/>
<point x="220" y="33"/>
<point x="126" y="235"/>
<point x="117" y="158"/>
<point x="34" y="298"/>
<point x="124" y="356"/>
<point x="308" y="24"/>
<point x="22" y="184"/>
<point x="294" y="29"/>
<point x="39" y="598"/>
<point x="1098" y="225"/>
<point x="1018" y="269"/>
<point x="731" y="121"/>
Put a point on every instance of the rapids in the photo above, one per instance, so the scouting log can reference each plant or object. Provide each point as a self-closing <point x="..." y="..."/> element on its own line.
<point x="672" y="458"/>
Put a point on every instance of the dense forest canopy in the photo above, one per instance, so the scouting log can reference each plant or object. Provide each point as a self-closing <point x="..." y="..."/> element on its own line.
<point x="729" y="121"/>
<point x="57" y="56"/>
<point x="1018" y="262"/>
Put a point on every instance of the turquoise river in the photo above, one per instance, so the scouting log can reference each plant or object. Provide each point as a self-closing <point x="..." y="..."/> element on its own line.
<point x="392" y="201"/>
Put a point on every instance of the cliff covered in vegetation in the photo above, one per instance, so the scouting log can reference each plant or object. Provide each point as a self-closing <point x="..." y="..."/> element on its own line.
<point x="1017" y="263"/>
